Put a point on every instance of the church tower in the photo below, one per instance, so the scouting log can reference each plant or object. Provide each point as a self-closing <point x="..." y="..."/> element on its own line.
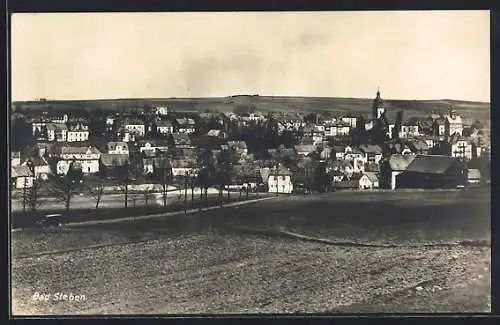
<point x="378" y="106"/>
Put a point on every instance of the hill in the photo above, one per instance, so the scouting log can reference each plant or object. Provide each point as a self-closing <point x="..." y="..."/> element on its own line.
<point x="471" y="111"/>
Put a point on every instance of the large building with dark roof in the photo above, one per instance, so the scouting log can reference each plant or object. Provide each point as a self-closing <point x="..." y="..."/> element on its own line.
<point x="433" y="171"/>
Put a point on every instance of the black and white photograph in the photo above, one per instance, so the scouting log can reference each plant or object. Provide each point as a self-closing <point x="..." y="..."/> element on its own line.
<point x="249" y="163"/>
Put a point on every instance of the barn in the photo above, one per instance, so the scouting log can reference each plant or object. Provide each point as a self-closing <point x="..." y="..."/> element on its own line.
<point x="431" y="172"/>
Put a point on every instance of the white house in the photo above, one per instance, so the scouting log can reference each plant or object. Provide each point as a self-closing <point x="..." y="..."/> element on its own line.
<point x="164" y="127"/>
<point x="462" y="149"/>
<point x="152" y="145"/>
<point x="38" y="166"/>
<point x="135" y="127"/>
<point x="118" y="148"/>
<point x="87" y="157"/>
<point x="408" y="131"/>
<point x="76" y="133"/>
<point x="182" y="166"/>
<point x="280" y="181"/>
<point x="21" y="176"/>
<point x="162" y="110"/>
<point x="351" y="121"/>
<point x="453" y="124"/>
<point x="60" y="119"/>
<point x="57" y="132"/>
<point x="185" y="125"/>
<point x="368" y="181"/>
<point x="38" y="125"/>
<point x="15" y="158"/>
<point x="337" y="129"/>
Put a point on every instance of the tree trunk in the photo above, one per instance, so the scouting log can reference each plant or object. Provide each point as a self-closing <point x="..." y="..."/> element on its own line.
<point x="126" y="196"/>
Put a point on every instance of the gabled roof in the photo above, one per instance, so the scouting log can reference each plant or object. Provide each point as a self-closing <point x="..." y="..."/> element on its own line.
<point x="37" y="161"/>
<point x="164" y="123"/>
<point x="400" y="162"/>
<point x="57" y="126"/>
<point x="215" y="133"/>
<point x="430" y="164"/>
<point x="370" y="148"/>
<point x="418" y="145"/>
<point x="114" y="160"/>
<point x="185" y="121"/>
<point x="371" y="176"/>
<point x="20" y="171"/>
<point x="79" y="150"/>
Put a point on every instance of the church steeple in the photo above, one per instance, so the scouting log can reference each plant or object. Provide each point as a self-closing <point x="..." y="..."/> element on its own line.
<point x="378" y="106"/>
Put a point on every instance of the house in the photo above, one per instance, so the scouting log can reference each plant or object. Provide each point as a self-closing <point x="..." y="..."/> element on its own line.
<point x="280" y="180"/>
<point x="147" y="166"/>
<point x="217" y="134"/>
<point x="355" y="154"/>
<point x="152" y="145"/>
<point x="432" y="171"/>
<point x="182" y="140"/>
<point x="22" y="177"/>
<point x="326" y="153"/>
<point x="340" y="151"/>
<point x="15" y="158"/>
<point x="77" y="132"/>
<point x="408" y="131"/>
<point x="162" y="110"/>
<point x="57" y="132"/>
<point x="391" y="167"/>
<point x="440" y="126"/>
<point x="87" y="157"/>
<point x="239" y="147"/>
<point x="164" y="127"/>
<point x="304" y="149"/>
<point x="117" y="148"/>
<point x="372" y="153"/>
<point x="113" y="165"/>
<point x="39" y="167"/>
<point x="135" y="127"/>
<point x="473" y="176"/>
<point x="453" y="124"/>
<point x="59" y="119"/>
<point x="38" y="125"/>
<point x="124" y="135"/>
<point x="368" y="181"/>
<point x="184" y="125"/>
<point x="418" y="146"/>
<point x="461" y="148"/>
<point x="183" y="166"/>
<point x="337" y="129"/>
<point x="350" y="121"/>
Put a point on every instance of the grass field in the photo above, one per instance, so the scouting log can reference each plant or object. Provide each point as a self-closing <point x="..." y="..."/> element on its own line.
<point x="471" y="111"/>
<point x="204" y="264"/>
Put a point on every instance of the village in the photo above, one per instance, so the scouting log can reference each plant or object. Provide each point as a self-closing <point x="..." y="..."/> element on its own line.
<point x="245" y="150"/>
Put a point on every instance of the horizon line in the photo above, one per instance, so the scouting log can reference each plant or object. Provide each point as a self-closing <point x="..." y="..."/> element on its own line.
<point x="238" y="95"/>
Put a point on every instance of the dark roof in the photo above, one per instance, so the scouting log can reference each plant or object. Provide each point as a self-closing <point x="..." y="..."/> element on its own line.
<point x="418" y="145"/>
<point x="38" y="161"/>
<point x="114" y="160"/>
<point x="370" y="148"/>
<point x="430" y="164"/>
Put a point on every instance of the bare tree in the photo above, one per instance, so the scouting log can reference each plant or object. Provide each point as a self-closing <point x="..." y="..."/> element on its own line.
<point x="97" y="192"/>
<point x="164" y="173"/>
<point x="125" y="180"/>
<point x="33" y="194"/>
<point x="63" y="188"/>
<point x="148" y="194"/>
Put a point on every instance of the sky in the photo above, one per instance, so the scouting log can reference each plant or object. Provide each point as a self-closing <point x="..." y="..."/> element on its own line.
<point x="408" y="54"/>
